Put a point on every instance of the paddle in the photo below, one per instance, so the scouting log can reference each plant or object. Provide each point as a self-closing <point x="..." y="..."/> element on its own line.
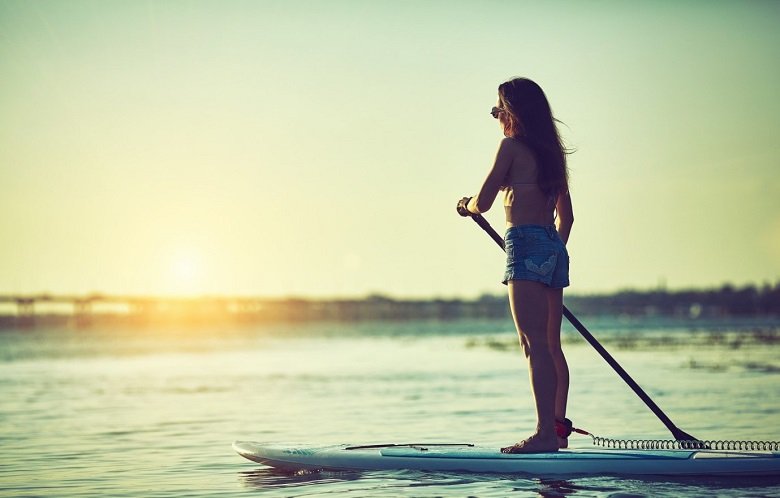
<point x="678" y="434"/>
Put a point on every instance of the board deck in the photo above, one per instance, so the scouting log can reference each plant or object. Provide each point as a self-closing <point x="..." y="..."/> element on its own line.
<point x="472" y="458"/>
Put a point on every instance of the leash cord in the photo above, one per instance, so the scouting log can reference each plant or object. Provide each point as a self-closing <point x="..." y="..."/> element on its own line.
<point x="671" y="444"/>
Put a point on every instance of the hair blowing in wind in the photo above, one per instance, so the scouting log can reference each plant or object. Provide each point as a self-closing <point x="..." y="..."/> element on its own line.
<point x="529" y="118"/>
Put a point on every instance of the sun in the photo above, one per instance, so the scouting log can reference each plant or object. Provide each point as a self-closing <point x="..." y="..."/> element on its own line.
<point x="185" y="272"/>
<point x="185" y="268"/>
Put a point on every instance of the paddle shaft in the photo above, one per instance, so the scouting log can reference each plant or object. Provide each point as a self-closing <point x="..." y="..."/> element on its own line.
<point x="678" y="434"/>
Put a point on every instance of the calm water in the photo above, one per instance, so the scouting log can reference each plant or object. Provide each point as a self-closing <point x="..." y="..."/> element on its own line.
<point x="153" y="412"/>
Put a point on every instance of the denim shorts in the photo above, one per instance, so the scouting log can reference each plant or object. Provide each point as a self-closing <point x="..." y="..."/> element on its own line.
<point x="537" y="253"/>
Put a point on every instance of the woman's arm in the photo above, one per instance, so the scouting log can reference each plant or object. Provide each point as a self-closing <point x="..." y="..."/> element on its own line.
<point x="565" y="216"/>
<point x="487" y="194"/>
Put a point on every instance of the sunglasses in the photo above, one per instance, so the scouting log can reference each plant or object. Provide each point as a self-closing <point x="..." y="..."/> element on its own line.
<point x="496" y="111"/>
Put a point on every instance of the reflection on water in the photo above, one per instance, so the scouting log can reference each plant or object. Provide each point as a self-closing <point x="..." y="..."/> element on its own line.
<point x="395" y="483"/>
<point x="267" y="478"/>
<point x="98" y="413"/>
<point x="415" y="483"/>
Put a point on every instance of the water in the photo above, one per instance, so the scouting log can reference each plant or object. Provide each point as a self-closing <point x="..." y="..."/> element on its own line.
<point x="153" y="412"/>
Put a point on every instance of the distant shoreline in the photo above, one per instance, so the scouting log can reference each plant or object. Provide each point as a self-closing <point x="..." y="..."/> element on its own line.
<point x="99" y="309"/>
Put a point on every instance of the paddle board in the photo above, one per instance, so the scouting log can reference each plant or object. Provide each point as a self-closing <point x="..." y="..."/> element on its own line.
<point x="471" y="458"/>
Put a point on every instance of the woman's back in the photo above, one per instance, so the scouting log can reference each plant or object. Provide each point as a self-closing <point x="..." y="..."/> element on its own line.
<point x="524" y="201"/>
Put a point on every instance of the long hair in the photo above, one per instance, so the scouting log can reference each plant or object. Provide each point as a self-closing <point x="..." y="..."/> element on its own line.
<point x="528" y="118"/>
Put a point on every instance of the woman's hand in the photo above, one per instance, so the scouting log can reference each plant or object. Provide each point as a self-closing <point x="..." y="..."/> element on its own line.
<point x="463" y="207"/>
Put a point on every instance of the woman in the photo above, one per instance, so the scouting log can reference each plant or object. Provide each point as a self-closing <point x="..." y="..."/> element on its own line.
<point x="530" y="167"/>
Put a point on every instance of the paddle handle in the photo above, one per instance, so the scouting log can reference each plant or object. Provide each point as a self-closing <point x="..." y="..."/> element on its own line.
<point x="678" y="434"/>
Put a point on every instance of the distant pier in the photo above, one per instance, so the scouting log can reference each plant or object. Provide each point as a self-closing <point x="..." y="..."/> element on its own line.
<point x="85" y="310"/>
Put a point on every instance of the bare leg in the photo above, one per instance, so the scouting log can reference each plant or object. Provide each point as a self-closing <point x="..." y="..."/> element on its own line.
<point x="555" y="309"/>
<point x="529" y="303"/>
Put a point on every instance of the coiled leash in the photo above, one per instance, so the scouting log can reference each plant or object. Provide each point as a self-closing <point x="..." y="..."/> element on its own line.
<point x="564" y="428"/>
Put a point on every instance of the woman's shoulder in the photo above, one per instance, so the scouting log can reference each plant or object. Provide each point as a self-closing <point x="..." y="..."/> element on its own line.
<point x="516" y="147"/>
<point x="515" y="143"/>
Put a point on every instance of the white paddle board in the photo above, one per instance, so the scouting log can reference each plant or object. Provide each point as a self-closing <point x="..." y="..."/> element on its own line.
<point x="472" y="458"/>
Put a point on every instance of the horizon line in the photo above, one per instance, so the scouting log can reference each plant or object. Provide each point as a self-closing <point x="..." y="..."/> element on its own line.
<point x="98" y="295"/>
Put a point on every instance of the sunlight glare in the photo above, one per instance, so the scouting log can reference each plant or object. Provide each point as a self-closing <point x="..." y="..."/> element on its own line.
<point x="185" y="272"/>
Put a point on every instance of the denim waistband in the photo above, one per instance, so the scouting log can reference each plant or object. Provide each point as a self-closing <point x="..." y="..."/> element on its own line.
<point x="519" y="231"/>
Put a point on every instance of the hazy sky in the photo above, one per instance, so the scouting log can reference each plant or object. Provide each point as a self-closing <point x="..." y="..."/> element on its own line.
<point x="319" y="148"/>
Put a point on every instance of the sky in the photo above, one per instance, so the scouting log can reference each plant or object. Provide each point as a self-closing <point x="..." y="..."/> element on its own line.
<point x="318" y="148"/>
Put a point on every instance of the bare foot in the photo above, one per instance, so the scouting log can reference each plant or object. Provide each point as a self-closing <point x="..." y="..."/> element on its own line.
<point x="563" y="442"/>
<point x="534" y="444"/>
